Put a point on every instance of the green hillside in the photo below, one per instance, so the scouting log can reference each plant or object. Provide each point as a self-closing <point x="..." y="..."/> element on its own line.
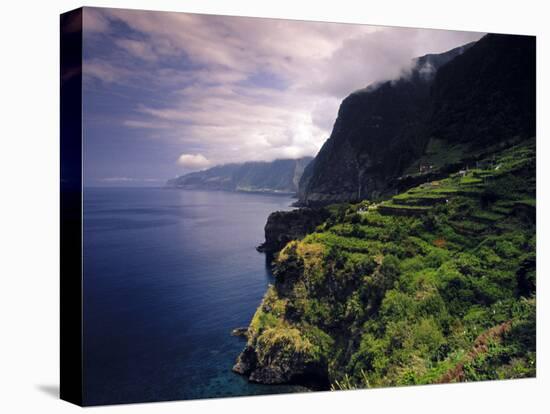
<point x="436" y="284"/>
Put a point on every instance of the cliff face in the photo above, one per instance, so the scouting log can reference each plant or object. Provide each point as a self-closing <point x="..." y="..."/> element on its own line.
<point x="412" y="289"/>
<point x="488" y="94"/>
<point x="455" y="98"/>
<point x="284" y="226"/>
<point x="276" y="176"/>
<point x="435" y="285"/>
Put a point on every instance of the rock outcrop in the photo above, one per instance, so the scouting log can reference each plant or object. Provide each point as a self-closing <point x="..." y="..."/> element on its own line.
<point x="284" y="226"/>
<point x="282" y="355"/>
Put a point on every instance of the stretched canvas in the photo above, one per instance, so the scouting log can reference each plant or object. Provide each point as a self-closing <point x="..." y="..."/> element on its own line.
<point x="261" y="206"/>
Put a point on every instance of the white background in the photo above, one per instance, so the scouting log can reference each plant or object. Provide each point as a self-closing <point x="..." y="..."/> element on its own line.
<point x="29" y="236"/>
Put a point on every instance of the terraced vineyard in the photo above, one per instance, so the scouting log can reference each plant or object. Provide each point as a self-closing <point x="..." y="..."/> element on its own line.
<point x="469" y="184"/>
<point x="436" y="284"/>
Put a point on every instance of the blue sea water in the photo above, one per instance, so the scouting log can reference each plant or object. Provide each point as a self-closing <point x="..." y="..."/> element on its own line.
<point x="167" y="275"/>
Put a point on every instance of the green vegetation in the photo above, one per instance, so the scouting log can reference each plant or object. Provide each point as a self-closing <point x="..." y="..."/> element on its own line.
<point x="434" y="285"/>
<point x="438" y="154"/>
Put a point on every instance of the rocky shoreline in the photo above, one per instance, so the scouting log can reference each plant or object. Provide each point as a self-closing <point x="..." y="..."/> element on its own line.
<point x="279" y="367"/>
<point x="273" y="364"/>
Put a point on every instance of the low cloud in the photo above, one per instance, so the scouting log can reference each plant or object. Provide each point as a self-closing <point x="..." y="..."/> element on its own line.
<point x="232" y="89"/>
<point x="136" y="48"/>
<point x="193" y="161"/>
<point x="117" y="179"/>
<point x="106" y="72"/>
<point x="145" y="124"/>
<point x="113" y="180"/>
<point x="95" y="21"/>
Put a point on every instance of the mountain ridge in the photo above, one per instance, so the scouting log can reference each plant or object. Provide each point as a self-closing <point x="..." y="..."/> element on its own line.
<point x="385" y="129"/>
<point x="277" y="176"/>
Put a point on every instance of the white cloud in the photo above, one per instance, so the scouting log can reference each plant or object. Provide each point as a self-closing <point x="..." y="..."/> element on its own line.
<point x="139" y="49"/>
<point x="132" y="123"/>
<point x="129" y="180"/>
<point x="193" y="161"/>
<point x="95" y="21"/>
<point x="117" y="179"/>
<point x="105" y="71"/>
<point x="217" y="108"/>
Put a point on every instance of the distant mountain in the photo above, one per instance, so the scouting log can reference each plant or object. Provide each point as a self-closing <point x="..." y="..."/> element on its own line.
<point x="279" y="176"/>
<point x="448" y="109"/>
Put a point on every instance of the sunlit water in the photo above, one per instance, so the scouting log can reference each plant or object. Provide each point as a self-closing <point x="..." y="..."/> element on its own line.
<point x="167" y="275"/>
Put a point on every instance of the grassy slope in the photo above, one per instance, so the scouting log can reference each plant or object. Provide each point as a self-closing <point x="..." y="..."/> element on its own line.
<point x="434" y="285"/>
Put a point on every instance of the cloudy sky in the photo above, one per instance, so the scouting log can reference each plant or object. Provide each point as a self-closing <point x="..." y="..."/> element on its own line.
<point x="169" y="93"/>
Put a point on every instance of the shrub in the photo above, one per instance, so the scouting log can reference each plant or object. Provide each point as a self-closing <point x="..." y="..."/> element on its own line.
<point x="427" y="336"/>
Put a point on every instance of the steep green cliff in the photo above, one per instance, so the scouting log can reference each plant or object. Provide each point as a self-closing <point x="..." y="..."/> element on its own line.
<point x="436" y="119"/>
<point x="436" y="284"/>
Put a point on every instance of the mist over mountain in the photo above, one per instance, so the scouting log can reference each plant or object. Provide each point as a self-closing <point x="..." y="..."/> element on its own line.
<point x="278" y="176"/>
<point x="449" y="105"/>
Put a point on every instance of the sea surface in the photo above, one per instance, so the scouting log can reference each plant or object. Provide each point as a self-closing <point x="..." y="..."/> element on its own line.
<point x="167" y="275"/>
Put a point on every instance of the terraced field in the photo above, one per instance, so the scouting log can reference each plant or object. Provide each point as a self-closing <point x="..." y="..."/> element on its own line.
<point x="470" y="185"/>
<point x="435" y="284"/>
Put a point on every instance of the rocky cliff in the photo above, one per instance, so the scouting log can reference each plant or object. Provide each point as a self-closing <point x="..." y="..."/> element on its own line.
<point x="276" y="176"/>
<point x="472" y="96"/>
<point x="284" y="226"/>
<point x="410" y="289"/>
<point x="488" y="94"/>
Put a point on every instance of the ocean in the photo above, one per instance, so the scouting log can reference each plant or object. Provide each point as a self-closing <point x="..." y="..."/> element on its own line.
<point x="167" y="275"/>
